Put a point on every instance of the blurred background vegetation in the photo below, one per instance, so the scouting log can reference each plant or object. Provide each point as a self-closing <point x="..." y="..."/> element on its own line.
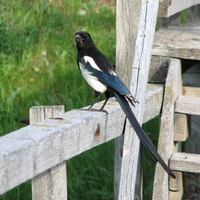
<point x="38" y="67"/>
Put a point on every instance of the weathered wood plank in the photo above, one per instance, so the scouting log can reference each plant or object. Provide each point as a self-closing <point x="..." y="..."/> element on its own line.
<point x="36" y="148"/>
<point x="177" y="44"/>
<point x="191" y="91"/>
<point x="140" y="69"/>
<point x="173" y="89"/>
<point x="154" y="94"/>
<point x="180" y="127"/>
<point x="176" y="184"/>
<point x="125" y="42"/>
<point x="185" y="162"/>
<point x="168" y="8"/>
<point x="188" y="105"/>
<point x="176" y="187"/>
<point x="126" y="33"/>
<point x="127" y="13"/>
<point x="51" y="184"/>
<point x="32" y="150"/>
<point x="40" y="113"/>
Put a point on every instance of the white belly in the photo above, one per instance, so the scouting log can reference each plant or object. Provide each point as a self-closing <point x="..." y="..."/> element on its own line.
<point x="92" y="81"/>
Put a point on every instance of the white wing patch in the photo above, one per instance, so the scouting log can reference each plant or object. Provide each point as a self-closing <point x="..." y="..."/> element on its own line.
<point x="92" y="62"/>
<point x="94" y="65"/>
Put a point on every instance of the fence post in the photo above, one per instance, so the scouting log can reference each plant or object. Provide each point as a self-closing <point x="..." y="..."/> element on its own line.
<point x="128" y="13"/>
<point x="128" y="154"/>
<point x="51" y="184"/>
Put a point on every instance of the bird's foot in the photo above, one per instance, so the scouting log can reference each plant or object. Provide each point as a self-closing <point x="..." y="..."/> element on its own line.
<point x="102" y="110"/>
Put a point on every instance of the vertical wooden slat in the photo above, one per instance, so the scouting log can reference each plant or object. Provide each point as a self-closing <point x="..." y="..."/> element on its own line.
<point x="176" y="187"/>
<point x="128" y="13"/>
<point x="51" y="184"/>
<point x="180" y="127"/>
<point x="173" y="88"/>
<point x="127" y="174"/>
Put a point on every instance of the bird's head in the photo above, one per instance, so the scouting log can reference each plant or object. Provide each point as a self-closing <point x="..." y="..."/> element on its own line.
<point x="83" y="39"/>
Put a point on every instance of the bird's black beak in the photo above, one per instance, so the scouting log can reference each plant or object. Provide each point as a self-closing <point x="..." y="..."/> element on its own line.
<point x="78" y="37"/>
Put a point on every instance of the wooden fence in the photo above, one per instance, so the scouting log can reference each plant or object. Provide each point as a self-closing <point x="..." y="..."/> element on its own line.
<point x="39" y="151"/>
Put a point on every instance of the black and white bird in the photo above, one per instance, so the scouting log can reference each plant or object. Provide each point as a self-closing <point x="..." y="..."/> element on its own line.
<point x="101" y="76"/>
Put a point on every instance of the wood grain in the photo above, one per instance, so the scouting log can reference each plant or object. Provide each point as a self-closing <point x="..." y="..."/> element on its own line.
<point x="177" y="44"/>
<point x="51" y="184"/>
<point x="154" y="94"/>
<point x="185" y="162"/>
<point x="145" y="34"/>
<point x="29" y="151"/>
<point x="173" y="88"/>
<point x="188" y="105"/>
<point x="191" y="91"/>
<point x="176" y="187"/>
<point x="127" y="13"/>
<point x="168" y="8"/>
<point x="180" y="127"/>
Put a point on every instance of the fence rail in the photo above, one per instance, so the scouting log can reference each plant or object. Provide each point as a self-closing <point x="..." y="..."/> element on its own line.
<point x="29" y="151"/>
<point x="168" y="8"/>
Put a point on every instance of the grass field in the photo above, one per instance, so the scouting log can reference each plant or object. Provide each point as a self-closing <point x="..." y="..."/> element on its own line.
<point x="38" y="67"/>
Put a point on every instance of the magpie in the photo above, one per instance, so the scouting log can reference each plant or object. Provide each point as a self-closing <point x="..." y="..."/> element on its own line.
<point x="102" y="77"/>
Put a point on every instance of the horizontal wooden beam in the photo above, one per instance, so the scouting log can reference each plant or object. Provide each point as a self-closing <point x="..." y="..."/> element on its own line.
<point x="168" y="8"/>
<point x="154" y="94"/>
<point x="191" y="91"/>
<point x="32" y="150"/>
<point x="185" y="162"/>
<point x="177" y="44"/>
<point x="188" y="105"/>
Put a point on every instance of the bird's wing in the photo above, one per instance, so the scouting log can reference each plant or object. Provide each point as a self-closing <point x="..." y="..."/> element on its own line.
<point x="112" y="80"/>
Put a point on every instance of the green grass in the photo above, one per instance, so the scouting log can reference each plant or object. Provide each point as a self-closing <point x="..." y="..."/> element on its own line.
<point x="38" y="55"/>
<point x="38" y="67"/>
<point x="152" y="129"/>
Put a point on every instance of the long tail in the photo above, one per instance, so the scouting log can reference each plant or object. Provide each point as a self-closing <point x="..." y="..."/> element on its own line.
<point x="148" y="145"/>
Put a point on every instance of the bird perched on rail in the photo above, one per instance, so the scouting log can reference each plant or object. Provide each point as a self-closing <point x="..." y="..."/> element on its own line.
<point x="101" y="76"/>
